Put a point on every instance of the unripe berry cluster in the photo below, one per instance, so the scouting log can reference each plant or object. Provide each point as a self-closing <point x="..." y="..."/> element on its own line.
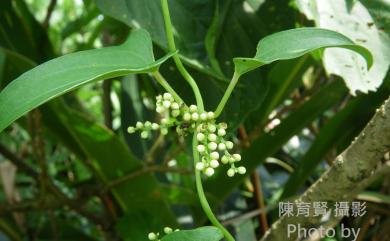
<point x="156" y="236"/>
<point x="213" y="147"/>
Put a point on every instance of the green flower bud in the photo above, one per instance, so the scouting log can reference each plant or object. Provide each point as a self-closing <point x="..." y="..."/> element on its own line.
<point x="200" y="137"/>
<point x="203" y="116"/>
<point x="237" y="157"/>
<point x="221" y="146"/>
<point x="210" y="115"/>
<point x="231" y="172"/>
<point x="201" y="148"/>
<point x="131" y="129"/>
<point x="225" y="159"/>
<point x="144" y="134"/>
<point x="200" y="166"/>
<point x="212" y="146"/>
<point x="155" y="126"/>
<point x="152" y="236"/>
<point x="166" y="104"/>
<point x="148" y="124"/>
<point x="167" y="230"/>
<point x="212" y="128"/>
<point x="229" y="145"/>
<point x="221" y="132"/>
<point x="139" y="125"/>
<point x="164" y="131"/>
<point x="209" y="171"/>
<point x="167" y="96"/>
<point x="175" y="113"/>
<point x="187" y="116"/>
<point x="175" y="106"/>
<point x="195" y="116"/>
<point x="241" y="170"/>
<point x="214" y="163"/>
<point x="193" y="108"/>
<point x="214" y="155"/>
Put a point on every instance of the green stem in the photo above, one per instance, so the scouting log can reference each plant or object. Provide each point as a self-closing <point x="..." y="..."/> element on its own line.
<point x="176" y="58"/>
<point x="227" y="94"/>
<point x="161" y="80"/>
<point x="202" y="197"/>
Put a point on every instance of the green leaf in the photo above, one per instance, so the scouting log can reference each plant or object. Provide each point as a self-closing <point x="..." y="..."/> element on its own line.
<point x="68" y="72"/>
<point x="200" y="234"/>
<point x="294" y="43"/>
<point x="374" y="197"/>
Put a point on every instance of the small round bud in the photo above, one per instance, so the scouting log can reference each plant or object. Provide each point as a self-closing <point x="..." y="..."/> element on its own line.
<point x="201" y="148"/>
<point x="139" y="125"/>
<point x="131" y="129"/>
<point x="225" y="159"/>
<point x="160" y="109"/>
<point x="214" y="155"/>
<point x="229" y="145"/>
<point x="172" y="163"/>
<point x="159" y="98"/>
<point x="231" y="172"/>
<point x="164" y="121"/>
<point x="203" y="116"/>
<point x="187" y="116"/>
<point x="148" y="124"/>
<point x="209" y="171"/>
<point x="237" y="157"/>
<point x="212" y="137"/>
<point x="199" y="166"/>
<point x="175" y="106"/>
<point x="223" y="125"/>
<point x="212" y="128"/>
<point x="200" y="137"/>
<point x="210" y="115"/>
<point x="167" y="96"/>
<point x="166" y="104"/>
<point x="155" y="126"/>
<point x="214" y="163"/>
<point x="168" y="230"/>
<point x="175" y="113"/>
<point x="152" y="236"/>
<point x="144" y="134"/>
<point x="241" y="170"/>
<point x="212" y="146"/>
<point x="193" y="108"/>
<point x="195" y="116"/>
<point x="221" y="146"/>
<point x="221" y="132"/>
<point x="164" y="131"/>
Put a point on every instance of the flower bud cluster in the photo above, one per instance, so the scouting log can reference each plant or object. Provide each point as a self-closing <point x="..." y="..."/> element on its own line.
<point x="212" y="146"/>
<point x="156" y="236"/>
<point x="215" y="149"/>
<point x="169" y="111"/>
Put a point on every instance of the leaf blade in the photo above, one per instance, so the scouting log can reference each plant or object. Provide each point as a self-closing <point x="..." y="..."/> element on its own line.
<point x="71" y="71"/>
<point x="200" y="234"/>
<point x="294" y="43"/>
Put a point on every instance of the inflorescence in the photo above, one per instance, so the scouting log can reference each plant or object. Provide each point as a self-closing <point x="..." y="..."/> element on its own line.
<point x="156" y="236"/>
<point x="212" y="147"/>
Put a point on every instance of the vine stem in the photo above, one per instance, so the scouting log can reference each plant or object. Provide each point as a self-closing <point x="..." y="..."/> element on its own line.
<point x="176" y="58"/>
<point x="227" y="94"/>
<point x="162" y="81"/>
<point x="202" y="197"/>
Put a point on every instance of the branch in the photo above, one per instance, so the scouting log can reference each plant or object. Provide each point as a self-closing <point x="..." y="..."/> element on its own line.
<point x="19" y="163"/>
<point x="49" y="12"/>
<point x="352" y="171"/>
<point x="140" y="172"/>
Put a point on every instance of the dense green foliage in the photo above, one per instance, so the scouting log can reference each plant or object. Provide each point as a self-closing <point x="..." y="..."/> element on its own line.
<point x="78" y="74"/>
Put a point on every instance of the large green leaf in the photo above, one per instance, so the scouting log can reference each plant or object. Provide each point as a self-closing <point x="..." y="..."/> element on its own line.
<point x="199" y="234"/>
<point x="294" y="43"/>
<point x="68" y="72"/>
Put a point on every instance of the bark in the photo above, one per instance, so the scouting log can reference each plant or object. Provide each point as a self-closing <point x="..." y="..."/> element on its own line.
<point x="356" y="167"/>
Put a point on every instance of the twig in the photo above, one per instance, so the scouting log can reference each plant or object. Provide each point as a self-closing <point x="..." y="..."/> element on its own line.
<point x="19" y="163"/>
<point x="260" y="201"/>
<point x="49" y="12"/>
<point x="151" y="153"/>
<point x="143" y="171"/>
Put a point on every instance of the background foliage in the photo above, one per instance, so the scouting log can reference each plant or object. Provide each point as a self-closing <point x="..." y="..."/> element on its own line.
<point x="80" y="176"/>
